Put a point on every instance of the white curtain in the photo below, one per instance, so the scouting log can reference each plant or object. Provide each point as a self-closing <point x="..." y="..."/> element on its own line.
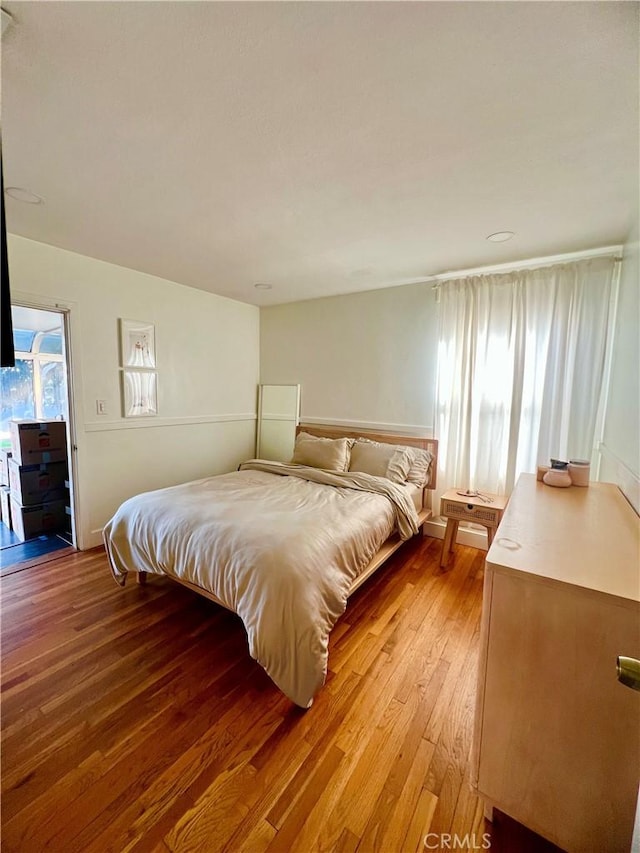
<point x="520" y="368"/>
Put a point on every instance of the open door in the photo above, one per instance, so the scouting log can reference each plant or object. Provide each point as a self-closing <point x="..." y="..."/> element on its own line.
<point x="37" y="388"/>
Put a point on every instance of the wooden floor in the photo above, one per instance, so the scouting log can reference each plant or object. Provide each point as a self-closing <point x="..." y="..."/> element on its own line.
<point x="134" y="719"/>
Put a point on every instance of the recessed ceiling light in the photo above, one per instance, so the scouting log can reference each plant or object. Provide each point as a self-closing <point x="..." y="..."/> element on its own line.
<point x="261" y="286"/>
<point x="20" y="194"/>
<point x="500" y="236"/>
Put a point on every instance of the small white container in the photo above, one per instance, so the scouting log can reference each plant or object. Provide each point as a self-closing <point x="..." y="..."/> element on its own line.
<point x="579" y="471"/>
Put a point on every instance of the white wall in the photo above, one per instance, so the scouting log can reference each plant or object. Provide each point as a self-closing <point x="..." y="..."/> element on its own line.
<point x="208" y="368"/>
<point x="621" y="444"/>
<point x="366" y="359"/>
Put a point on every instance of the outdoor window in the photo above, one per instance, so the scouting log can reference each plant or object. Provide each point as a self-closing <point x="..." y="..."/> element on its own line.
<point x="36" y="386"/>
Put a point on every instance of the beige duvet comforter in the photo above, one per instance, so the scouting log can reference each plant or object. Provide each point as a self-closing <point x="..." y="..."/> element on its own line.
<point x="277" y="544"/>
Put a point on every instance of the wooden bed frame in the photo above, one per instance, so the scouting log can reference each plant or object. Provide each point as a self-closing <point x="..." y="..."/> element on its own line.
<point x="394" y="542"/>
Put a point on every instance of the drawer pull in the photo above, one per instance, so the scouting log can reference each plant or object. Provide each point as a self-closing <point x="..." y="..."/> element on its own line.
<point x="628" y="670"/>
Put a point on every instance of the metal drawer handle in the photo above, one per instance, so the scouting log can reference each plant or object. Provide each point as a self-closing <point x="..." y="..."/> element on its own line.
<point x="628" y="671"/>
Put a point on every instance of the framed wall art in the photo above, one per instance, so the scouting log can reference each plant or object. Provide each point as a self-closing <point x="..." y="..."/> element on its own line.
<point x="137" y="344"/>
<point x="139" y="393"/>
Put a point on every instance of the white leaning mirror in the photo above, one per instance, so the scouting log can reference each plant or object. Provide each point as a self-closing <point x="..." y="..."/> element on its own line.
<point x="278" y="416"/>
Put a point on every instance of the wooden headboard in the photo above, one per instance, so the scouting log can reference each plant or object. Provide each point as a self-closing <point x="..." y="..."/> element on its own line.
<point x="430" y="444"/>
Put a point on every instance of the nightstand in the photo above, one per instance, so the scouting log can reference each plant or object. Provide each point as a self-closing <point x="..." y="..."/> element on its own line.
<point x="485" y="509"/>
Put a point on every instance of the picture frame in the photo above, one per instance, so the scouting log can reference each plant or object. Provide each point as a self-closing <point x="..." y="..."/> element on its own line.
<point x="137" y="344"/>
<point x="139" y="393"/>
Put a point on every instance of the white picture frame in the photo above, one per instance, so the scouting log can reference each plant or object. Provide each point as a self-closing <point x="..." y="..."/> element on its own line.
<point x="139" y="393"/>
<point x="137" y="344"/>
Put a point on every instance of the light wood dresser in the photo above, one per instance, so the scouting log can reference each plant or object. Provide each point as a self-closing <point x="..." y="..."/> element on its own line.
<point x="557" y="737"/>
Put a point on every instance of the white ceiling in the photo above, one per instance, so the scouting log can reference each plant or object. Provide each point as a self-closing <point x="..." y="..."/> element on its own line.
<point x="320" y="147"/>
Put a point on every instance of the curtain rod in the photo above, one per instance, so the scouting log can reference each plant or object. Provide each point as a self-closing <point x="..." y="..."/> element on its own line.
<point x="531" y="263"/>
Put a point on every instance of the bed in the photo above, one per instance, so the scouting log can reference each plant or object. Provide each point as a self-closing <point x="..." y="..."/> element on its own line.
<point x="283" y="545"/>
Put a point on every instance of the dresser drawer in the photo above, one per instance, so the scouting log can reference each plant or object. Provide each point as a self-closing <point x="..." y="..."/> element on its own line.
<point x="486" y="515"/>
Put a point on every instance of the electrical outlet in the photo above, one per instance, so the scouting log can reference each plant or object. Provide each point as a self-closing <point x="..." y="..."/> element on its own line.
<point x="101" y="407"/>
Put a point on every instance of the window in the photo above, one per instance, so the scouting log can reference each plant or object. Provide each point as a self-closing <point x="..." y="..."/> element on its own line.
<point x="36" y="387"/>
<point x="520" y="371"/>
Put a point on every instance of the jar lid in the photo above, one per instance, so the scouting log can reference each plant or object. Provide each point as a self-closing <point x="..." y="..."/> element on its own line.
<point x="558" y="465"/>
<point x="579" y="462"/>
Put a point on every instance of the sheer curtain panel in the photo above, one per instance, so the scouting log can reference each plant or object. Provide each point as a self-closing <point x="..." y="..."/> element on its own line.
<point x="520" y="371"/>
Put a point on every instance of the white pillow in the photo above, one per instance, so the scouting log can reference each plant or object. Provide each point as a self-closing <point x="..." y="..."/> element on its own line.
<point x="332" y="454"/>
<point x="381" y="460"/>
<point x="420" y="466"/>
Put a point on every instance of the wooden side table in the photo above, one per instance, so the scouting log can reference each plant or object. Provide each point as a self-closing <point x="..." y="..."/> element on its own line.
<point x="481" y="508"/>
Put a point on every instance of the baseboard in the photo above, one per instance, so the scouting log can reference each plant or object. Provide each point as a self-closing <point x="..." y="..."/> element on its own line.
<point x="94" y="540"/>
<point x="466" y="535"/>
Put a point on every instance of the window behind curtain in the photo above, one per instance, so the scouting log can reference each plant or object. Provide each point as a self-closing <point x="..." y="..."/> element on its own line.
<point x="520" y="370"/>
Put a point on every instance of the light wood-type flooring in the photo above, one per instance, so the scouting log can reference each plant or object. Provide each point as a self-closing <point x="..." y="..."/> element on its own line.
<point x="134" y="719"/>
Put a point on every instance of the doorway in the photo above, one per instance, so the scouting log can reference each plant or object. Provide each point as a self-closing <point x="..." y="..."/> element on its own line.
<point x="36" y="389"/>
